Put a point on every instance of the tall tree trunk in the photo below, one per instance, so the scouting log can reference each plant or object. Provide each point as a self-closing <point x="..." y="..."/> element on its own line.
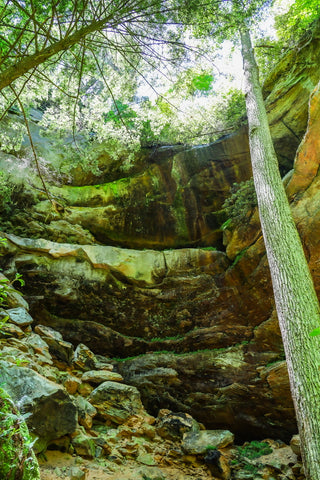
<point x="296" y="301"/>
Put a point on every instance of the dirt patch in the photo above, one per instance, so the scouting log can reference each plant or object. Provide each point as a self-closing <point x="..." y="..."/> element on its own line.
<point x="59" y="466"/>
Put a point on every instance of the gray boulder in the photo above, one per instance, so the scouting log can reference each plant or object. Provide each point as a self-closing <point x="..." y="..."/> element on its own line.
<point x="52" y="412"/>
<point x="197" y="443"/>
<point x="19" y="316"/>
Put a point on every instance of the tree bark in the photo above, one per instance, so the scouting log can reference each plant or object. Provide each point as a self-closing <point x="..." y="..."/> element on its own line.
<point x="296" y="301"/>
<point x="32" y="61"/>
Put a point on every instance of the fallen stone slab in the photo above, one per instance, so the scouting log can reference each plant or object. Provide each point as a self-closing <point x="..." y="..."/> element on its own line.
<point x="100" y="376"/>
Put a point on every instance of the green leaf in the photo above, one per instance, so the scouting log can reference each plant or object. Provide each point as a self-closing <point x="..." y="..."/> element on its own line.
<point x="315" y="332"/>
<point x="202" y="82"/>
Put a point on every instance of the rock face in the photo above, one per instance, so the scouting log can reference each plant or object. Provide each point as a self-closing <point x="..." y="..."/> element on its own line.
<point x="120" y="438"/>
<point x="199" y="323"/>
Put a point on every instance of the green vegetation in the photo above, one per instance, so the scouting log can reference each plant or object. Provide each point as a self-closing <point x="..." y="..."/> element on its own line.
<point x="248" y="453"/>
<point x="239" y="256"/>
<point x="242" y="200"/>
<point x="17" y="459"/>
<point x="80" y="48"/>
<point x="233" y="108"/>
<point x="226" y="224"/>
<point x="253" y="469"/>
<point x="254" y="449"/>
<point x="297" y="20"/>
<point x="6" y="287"/>
<point x="163" y="339"/>
<point x="211" y="447"/>
<point x="6" y="191"/>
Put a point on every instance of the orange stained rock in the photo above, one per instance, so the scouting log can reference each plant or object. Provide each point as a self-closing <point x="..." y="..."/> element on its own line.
<point x="308" y="155"/>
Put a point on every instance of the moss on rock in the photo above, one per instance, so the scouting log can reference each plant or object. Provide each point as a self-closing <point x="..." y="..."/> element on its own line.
<point x="17" y="459"/>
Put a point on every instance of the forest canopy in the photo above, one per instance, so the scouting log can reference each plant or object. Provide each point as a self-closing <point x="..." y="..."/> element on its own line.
<point x="127" y="73"/>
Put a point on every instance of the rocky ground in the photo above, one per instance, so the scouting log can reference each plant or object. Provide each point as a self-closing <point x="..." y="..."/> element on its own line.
<point x="58" y="466"/>
<point x="90" y="425"/>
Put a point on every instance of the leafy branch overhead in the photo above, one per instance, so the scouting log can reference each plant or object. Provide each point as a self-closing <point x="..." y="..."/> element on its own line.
<point x="68" y="31"/>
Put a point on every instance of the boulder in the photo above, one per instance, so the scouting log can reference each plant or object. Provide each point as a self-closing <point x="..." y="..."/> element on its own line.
<point x="295" y="445"/>
<point x="52" y="412"/>
<point x="37" y="344"/>
<point x="152" y="473"/>
<point x="77" y="474"/>
<point x="100" y="376"/>
<point x="173" y="426"/>
<point x="86" y="412"/>
<point x="217" y="464"/>
<point x="11" y="330"/>
<point x="198" y="443"/>
<point x="47" y="332"/>
<point x="83" y="444"/>
<point x="60" y="349"/>
<point x="116" y="402"/>
<point x="84" y="358"/>
<point x="71" y="383"/>
<point x="19" y="316"/>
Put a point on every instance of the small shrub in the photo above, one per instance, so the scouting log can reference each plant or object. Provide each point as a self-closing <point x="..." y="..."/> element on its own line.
<point x="242" y="199"/>
<point x="5" y="288"/>
<point x="248" y="467"/>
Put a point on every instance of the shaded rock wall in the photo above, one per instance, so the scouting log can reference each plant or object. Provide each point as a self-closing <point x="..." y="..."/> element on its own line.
<point x="174" y="201"/>
<point x="213" y="319"/>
